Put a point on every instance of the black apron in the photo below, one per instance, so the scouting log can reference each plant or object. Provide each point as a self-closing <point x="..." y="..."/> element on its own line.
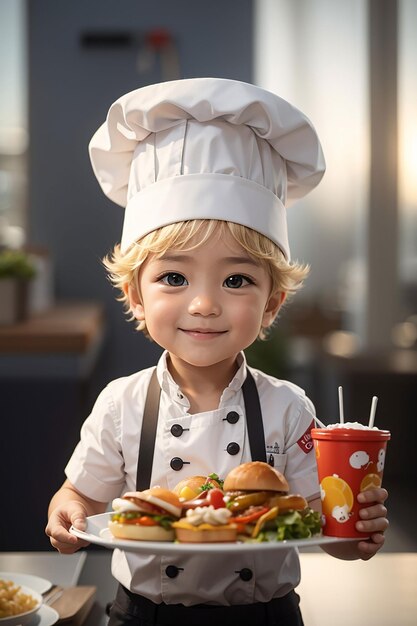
<point x="130" y="609"/>
<point x="150" y="421"/>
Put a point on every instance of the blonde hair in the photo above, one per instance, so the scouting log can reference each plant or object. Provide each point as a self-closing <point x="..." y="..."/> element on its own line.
<point x="286" y="277"/>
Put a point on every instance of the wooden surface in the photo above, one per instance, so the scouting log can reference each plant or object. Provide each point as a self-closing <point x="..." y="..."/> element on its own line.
<point x="74" y="604"/>
<point x="67" y="328"/>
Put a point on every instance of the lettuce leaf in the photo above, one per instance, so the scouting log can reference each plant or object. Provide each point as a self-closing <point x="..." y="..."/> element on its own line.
<point x="292" y="525"/>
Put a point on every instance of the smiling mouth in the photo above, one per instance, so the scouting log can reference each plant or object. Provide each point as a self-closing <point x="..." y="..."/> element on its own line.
<point x="202" y="332"/>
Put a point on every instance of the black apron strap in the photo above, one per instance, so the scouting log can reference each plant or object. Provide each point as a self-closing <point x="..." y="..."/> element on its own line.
<point x="150" y="422"/>
<point x="254" y="419"/>
<point x="148" y="434"/>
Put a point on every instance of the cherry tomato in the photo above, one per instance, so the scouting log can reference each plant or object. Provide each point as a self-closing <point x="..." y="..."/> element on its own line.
<point x="215" y="498"/>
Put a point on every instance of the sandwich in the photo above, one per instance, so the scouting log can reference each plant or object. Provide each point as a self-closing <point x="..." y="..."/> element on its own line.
<point x="145" y="515"/>
<point x="206" y="518"/>
<point x="258" y="497"/>
<point x="206" y="524"/>
<point x="197" y="486"/>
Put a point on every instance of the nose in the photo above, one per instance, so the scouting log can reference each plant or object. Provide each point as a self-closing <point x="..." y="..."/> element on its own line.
<point x="204" y="304"/>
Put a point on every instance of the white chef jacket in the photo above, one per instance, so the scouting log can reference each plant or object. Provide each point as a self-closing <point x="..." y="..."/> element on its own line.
<point x="104" y="463"/>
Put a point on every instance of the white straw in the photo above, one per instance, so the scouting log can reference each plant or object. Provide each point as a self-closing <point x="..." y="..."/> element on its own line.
<point x="316" y="419"/>
<point x="341" y="411"/>
<point x="373" y="411"/>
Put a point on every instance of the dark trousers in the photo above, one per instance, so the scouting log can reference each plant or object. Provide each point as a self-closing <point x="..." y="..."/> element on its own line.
<point x="130" y="609"/>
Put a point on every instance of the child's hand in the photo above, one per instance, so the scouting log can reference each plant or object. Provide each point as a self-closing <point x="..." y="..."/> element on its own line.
<point x="61" y="519"/>
<point x="373" y="521"/>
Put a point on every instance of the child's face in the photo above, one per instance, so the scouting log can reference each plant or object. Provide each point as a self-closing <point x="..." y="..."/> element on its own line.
<point x="207" y="304"/>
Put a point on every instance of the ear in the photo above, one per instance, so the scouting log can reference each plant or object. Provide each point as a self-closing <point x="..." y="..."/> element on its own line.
<point x="275" y="302"/>
<point x="135" y="303"/>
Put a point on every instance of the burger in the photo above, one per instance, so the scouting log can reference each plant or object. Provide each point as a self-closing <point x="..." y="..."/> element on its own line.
<point x="145" y="515"/>
<point x="257" y="496"/>
<point x="206" y="524"/>
<point x="197" y="486"/>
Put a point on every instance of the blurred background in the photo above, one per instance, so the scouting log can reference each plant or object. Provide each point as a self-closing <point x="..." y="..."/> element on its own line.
<point x="350" y="66"/>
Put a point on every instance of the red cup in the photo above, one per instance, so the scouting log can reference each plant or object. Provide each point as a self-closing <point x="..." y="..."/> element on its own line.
<point x="348" y="461"/>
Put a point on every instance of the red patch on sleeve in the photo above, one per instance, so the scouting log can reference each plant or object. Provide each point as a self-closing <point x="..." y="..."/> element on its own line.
<point x="305" y="441"/>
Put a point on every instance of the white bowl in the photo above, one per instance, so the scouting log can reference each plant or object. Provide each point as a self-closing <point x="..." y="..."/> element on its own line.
<point x="23" y="618"/>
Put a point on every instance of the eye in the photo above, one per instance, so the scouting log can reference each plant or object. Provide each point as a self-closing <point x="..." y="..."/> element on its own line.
<point x="236" y="281"/>
<point x="174" y="280"/>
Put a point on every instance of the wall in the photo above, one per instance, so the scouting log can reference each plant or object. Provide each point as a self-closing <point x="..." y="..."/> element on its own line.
<point x="71" y="88"/>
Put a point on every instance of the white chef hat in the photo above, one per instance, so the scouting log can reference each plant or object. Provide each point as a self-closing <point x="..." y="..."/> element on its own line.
<point x="205" y="148"/>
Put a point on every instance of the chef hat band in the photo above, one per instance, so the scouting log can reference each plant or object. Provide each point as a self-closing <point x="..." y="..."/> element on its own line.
<point x="205" y="149"/>
<point x="205" y="196"/>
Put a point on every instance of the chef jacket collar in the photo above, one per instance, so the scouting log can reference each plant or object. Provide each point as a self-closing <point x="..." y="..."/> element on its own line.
<point x="173" y="390"/>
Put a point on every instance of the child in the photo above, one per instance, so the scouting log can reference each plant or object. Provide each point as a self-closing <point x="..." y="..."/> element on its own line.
<point x="205" y="168"/>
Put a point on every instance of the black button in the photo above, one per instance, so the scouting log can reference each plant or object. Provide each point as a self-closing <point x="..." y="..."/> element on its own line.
<point x="177" y="463"/>
<point x="172" y="571"/>
<point x="245" y="574"/>
<point x="233" y="448"/>
<point x="177" y="430"/>
<point x="232" y="417"/>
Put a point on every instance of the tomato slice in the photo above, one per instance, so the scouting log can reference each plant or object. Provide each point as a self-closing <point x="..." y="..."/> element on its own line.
<point x="251" y="517"/>
<point x="145" y="520"/>
<point x="241" y="529"/>
<point x="142" y="520"/>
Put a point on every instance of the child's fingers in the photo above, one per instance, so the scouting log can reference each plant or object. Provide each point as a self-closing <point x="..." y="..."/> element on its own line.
<point x="65" y="542"/>
<point x="377" y="525"/>
<point x="59" y="524"/>
<point x="367" y="549"/>
<point x="78" y="520"/>
<point x="373" y="495"/>
<point x="373" y="512"/>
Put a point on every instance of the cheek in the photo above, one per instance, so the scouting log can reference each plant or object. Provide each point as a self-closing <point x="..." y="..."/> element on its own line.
<point x="248" y="314"/>
<point x="158" y="310"/>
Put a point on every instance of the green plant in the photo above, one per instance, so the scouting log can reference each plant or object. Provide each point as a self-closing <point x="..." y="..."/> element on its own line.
<point x="16" y="264"/>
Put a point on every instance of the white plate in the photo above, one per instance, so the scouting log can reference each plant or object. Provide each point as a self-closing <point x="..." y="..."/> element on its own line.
<point x="46" y="616"/>
<point x="97" y="532"/>
<point x="34" y="582"/>
<point x="28" y="616"/>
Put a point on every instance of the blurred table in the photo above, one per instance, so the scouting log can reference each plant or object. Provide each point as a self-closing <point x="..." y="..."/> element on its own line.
<point x="60" y="342"/>
<point x="83" y="568"/>
<point x="48" y="382"/>
<point x="379" y="592"/>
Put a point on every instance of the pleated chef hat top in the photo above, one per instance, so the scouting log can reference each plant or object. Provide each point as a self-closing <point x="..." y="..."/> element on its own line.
<point x="205" y="148"/>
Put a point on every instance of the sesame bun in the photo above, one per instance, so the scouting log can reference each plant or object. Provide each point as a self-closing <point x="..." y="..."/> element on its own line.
<point x="255" y="476"/>
<point x="141" y="533"/>
<point x="165" y="499"/>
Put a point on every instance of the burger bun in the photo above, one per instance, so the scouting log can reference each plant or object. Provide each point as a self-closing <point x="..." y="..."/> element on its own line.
<point x="141" y="533"/>
<point x="191" y="487"/>
<point x="255" y="476"/>
<point x="193" y="482"/>
<point x="212" y="535"/>
<point x="163" y="498"/>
